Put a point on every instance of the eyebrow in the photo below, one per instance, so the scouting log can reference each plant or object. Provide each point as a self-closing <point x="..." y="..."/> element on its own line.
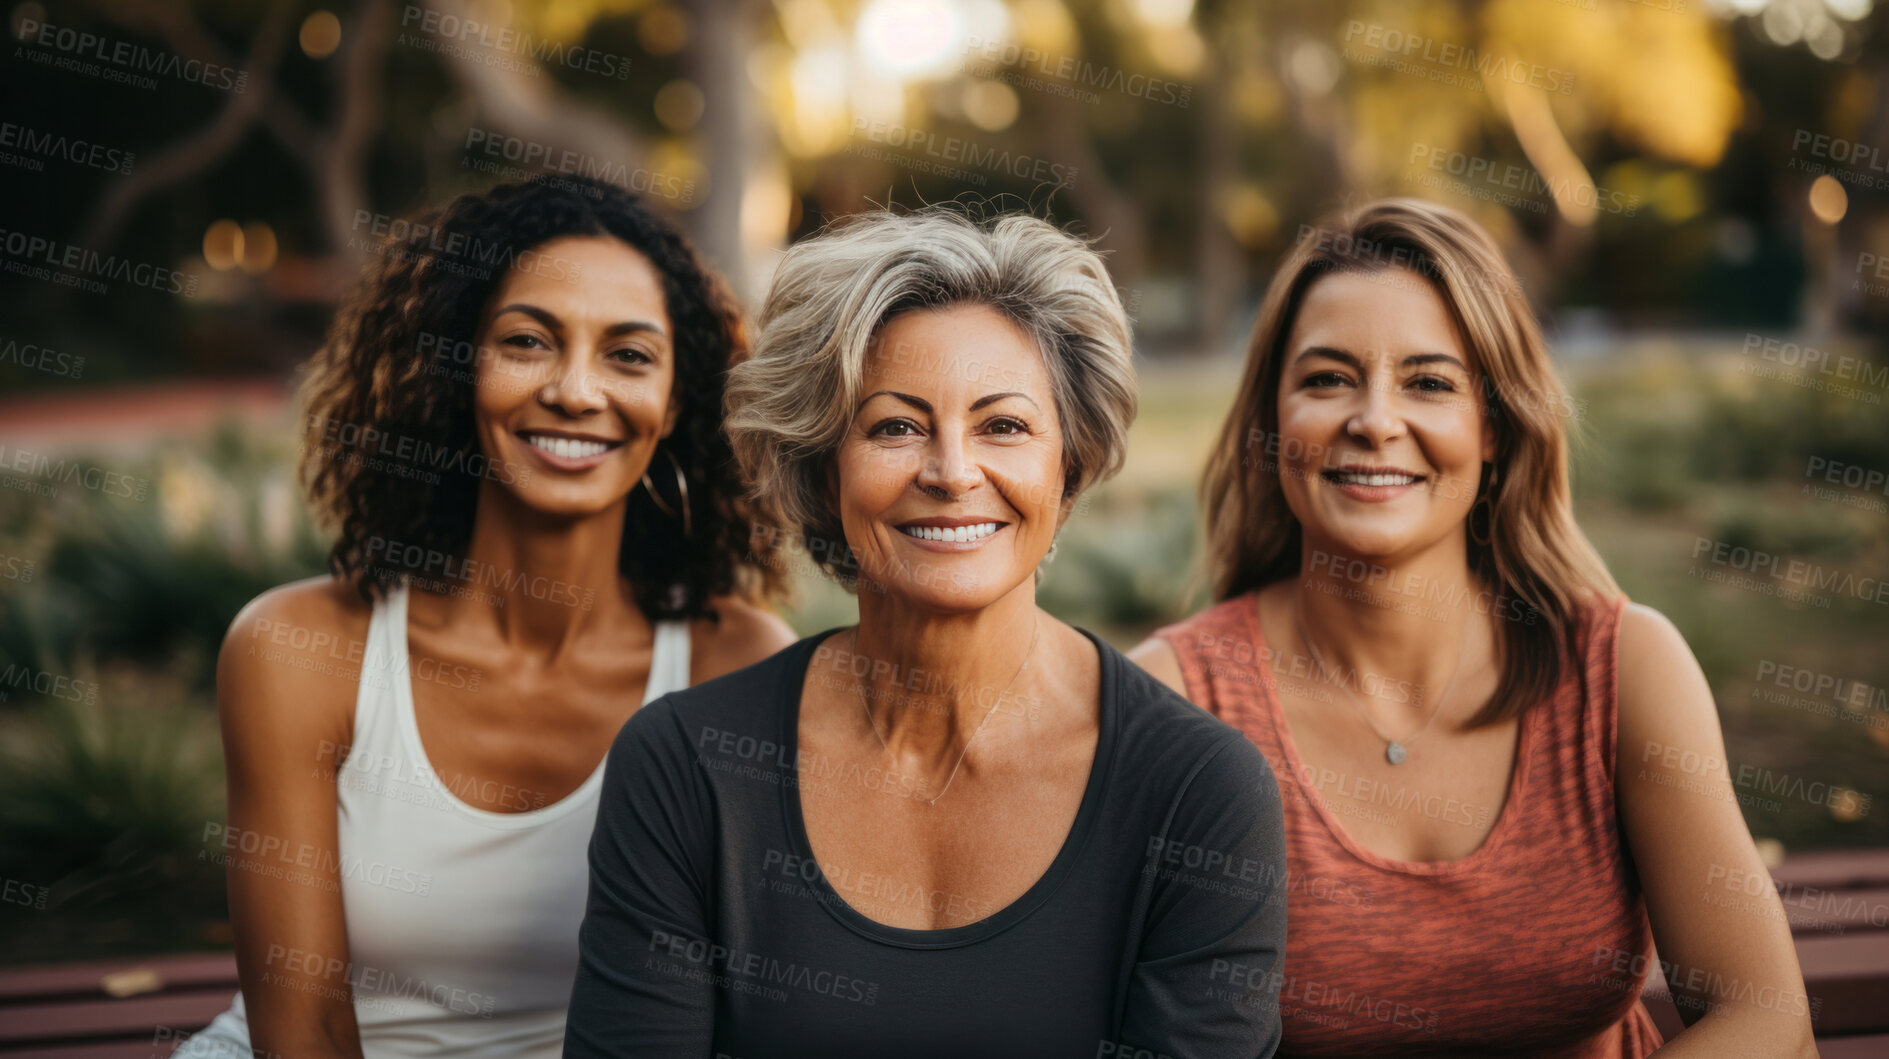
<point x="925" y="406"/>
<point x="551" y="321"/>
<point x="1414" y="360"/>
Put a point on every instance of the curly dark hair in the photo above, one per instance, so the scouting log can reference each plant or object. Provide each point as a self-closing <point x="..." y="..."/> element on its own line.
<point x="390" y="457"/>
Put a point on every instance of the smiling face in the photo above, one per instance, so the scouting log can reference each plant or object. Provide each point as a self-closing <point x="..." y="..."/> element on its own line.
<point x="575" y="376"/>
<point x="949" y="481"/>
<point x="1382" y="437"/>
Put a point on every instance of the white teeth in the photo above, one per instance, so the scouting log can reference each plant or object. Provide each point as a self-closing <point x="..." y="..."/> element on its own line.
<point x="961" y="534"/>
<point x="568" y="448"/>
<point x="1354" y="478"/>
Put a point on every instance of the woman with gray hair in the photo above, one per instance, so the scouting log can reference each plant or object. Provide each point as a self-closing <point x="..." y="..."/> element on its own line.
<point x="961" y="827"/>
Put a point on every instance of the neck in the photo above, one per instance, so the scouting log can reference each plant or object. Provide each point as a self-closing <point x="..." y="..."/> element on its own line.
<point x="931" y="678"/>
<point x="1391" y="633"/>
<point x="540" y="579"/>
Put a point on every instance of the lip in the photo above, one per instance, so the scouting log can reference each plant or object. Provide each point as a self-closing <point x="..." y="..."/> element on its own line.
<point x="550" y="432"/>
<point x="951" y="523"/>
<point x="1372" y="494"/>
<point x="1371" y="468"/>
<point x="567" y="463"/>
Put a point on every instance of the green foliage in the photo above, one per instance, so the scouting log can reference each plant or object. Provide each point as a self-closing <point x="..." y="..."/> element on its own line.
<point x="111" y="770"/>
<point x="1124" y="568"/>
<point x="101" y="799"/>
<point x="102" y="807"/>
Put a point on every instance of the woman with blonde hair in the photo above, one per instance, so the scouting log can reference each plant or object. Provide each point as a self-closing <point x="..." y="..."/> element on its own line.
<point x="1501" y="779"/>
<point x="960" y="827"/>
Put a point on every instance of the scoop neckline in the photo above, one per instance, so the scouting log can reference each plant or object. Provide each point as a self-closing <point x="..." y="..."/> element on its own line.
<point x="1004" y="918"/>
<point x="1498" y="835"/>
<point x="410" y="728"/>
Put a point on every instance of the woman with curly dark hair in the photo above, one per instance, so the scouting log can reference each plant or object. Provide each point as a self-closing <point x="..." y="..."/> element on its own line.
<point x="515" y="430"/>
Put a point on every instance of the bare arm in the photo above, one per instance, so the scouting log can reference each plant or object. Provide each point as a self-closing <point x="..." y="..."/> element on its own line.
<point x="1733" y="969"/>
<point x="285" y="695"/>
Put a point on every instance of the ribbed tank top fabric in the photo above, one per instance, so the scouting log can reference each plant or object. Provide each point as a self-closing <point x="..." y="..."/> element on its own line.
<point x="462" y="922"/>
<point x="1508" y="951"/>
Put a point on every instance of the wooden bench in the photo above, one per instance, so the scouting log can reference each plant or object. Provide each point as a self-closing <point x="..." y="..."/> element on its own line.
<point x="115" y="1009"/>
<point x="1838" y="905"/>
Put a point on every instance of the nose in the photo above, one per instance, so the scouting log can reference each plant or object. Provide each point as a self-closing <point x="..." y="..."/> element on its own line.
<point x="575" y="387"/>
<point x="947" y="467"/>
<point x="1375" y="419"/>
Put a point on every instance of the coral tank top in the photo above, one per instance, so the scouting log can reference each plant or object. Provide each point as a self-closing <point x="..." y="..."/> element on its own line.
<point x="1513" y="949"/>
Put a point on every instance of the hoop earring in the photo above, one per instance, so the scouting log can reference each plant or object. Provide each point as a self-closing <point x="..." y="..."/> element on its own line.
<point x="1487" y="502"/>
<point x="682" y="487"/>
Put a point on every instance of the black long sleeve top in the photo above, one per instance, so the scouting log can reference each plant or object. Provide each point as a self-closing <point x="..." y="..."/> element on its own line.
<point x="1157" y="931"/>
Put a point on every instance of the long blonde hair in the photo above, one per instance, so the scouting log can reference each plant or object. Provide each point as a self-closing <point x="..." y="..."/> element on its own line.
<point x="1536" y="554"/>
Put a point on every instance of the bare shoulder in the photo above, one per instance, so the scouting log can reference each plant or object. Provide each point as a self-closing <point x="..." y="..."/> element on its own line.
<point x="1653" y="654"/>
<point x="1648" y="635"/>
<point x="1664" y="697"/>
<point x="1156" y="655"/>
<point x="302" y="643"/>
<point x="746" y="634"/>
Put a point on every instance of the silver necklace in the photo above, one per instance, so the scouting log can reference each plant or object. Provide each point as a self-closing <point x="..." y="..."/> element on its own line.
<point x="1396" y="751"/>
<point x="859" y="686"/>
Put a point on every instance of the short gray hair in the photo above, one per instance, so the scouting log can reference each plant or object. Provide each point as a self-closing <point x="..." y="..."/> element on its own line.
<point x="788" y="404"/>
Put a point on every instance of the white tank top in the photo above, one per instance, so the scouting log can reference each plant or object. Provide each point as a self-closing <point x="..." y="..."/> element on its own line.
<point x="462" y="922"/>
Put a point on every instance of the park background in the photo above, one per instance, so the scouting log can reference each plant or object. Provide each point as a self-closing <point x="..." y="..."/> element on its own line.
<point x="1694" y="195"/>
